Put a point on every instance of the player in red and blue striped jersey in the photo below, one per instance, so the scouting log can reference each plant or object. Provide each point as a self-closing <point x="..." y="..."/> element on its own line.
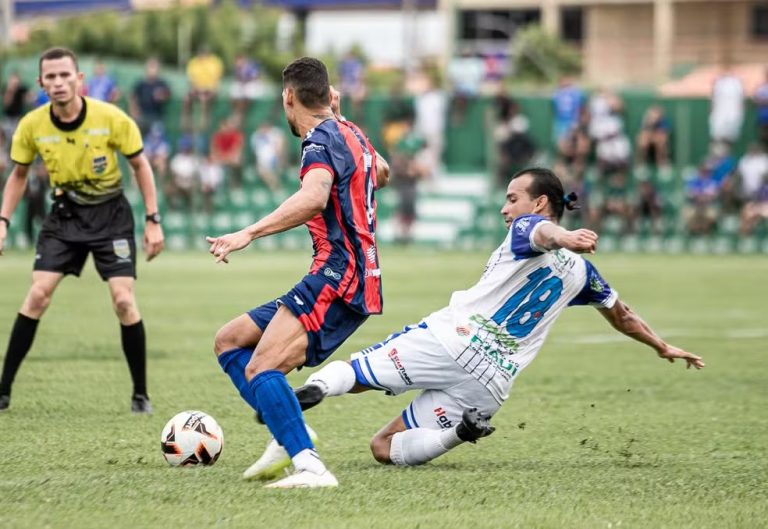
<point x="340" y="171"/>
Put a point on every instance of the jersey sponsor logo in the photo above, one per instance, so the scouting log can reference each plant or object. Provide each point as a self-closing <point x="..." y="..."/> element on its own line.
<point x="312" y="147"/>
<point x="562" y="262"/>
<point x="442" y="420"/>
<point x="122" y="248"/>
<point x="99" y="164"/>
<point x="522" y="225"/>
<point x="327" y="272"/>
<point x="463" y="331"/>
<point x="48" y="139"/>
<point x="399" y="367"/>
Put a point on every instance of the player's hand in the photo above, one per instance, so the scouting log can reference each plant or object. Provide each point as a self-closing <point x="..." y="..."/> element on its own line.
<point x="3" y="236"/>
<point x="579" y="241"/>
<point x="336" y="103"/>
<point x="154" y="241"/>
<point x="222" y="246"/>
<point x="670" y="352"/>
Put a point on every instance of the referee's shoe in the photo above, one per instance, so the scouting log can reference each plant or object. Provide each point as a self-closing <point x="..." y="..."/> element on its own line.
<point x="141" y="404"/>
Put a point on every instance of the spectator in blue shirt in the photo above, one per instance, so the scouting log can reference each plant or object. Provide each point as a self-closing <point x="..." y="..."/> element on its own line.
<point x="101" y="86"/>
<point x="566" y="103"/>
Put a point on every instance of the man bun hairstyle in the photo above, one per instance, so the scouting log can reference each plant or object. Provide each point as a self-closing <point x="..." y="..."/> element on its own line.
<point x="546" y="182"/>
<point x="54" y="53"/>
<point x="309" y="79"/>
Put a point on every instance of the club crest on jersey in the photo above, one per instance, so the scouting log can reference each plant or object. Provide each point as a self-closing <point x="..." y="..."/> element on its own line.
<point x="122" y="248"/>
<point x="99" y="164"/>
<point x="522" y="225"/>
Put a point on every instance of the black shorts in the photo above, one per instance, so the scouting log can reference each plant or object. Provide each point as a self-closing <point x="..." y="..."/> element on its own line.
<point x="71" y="231"/>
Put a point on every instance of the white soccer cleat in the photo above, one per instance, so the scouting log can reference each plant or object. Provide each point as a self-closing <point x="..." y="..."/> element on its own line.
<point x="305" y="479"/>
<point x="274" y="461"/>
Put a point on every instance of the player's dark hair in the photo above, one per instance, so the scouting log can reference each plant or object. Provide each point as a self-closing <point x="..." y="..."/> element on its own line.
<point x="546" y="182"/>
<point x="56" y="53"/>
<point x="309" y="79"/>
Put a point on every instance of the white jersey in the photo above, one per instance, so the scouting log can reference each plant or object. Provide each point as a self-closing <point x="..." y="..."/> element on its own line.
<point x="494" y="329"/>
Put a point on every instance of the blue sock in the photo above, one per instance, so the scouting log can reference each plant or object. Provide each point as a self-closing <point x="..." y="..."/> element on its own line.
<point x="280" y="410"/>
<point x="233" y="363"/>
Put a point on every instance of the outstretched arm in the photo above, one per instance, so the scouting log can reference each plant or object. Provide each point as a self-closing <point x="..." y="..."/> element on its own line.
<point x="628" y="322"/>
<point x="297" y="209"/>
<point x="550" y="236"/>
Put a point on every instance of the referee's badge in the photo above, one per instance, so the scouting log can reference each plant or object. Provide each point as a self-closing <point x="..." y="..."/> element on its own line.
<point x="99" y="164"/>
<point x="122" y="248"/>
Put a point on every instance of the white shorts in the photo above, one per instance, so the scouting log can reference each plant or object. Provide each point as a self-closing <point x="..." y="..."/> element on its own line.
<point x="415" y="359"/>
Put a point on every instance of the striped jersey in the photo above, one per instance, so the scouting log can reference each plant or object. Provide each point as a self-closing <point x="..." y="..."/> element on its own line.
<point x="344" y="233"/>
<point x="496" y="328"/>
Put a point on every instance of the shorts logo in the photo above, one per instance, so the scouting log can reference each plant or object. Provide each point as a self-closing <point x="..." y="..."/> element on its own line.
<point x="327" y="272"/>
<point x="99" y="164"/>
<point x="399" y="367"/>
<point x="442" y="420"/>
<point x="297" y="300"/>
<point x="122" y="248"/>
<point x="370" y="253"/>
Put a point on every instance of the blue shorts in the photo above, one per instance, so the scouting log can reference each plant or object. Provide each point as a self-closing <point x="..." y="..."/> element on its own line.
<point x="324" y="314"/>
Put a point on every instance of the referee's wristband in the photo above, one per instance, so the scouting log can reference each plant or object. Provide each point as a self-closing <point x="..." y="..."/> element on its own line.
<point x="6" y="220"/>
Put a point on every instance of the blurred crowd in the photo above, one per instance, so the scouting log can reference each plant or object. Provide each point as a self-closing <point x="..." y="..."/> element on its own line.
<point x="621" y="178"/>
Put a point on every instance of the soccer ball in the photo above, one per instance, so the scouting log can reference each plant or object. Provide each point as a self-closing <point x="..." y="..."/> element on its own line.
<point x="192" y="438"/>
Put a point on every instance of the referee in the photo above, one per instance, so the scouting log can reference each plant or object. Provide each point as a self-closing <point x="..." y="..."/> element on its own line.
<point x="78" y="139"/>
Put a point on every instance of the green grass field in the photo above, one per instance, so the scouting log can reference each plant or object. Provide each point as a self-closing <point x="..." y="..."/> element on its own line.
<point x="598" y="432"/>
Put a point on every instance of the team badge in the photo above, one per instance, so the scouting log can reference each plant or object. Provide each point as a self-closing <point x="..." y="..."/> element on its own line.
<point x="99" y="164"/>
<point x="122" y="248"/>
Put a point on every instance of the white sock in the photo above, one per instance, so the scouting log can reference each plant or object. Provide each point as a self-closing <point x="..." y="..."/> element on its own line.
<point x="335" y="378"/>
<point x="419" y="445"/>
<point x="308" y="459"/>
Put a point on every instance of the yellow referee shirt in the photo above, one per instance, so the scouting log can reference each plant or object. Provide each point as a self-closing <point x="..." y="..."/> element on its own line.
<point x="81" y="156"/>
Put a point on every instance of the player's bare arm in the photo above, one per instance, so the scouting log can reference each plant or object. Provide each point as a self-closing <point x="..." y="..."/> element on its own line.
<point x="154" y="240"/>
<point x="551" y="237"/>
<point x="298" y="209"/>
<point x="12" y="193"/>
<point x="382" y="172"/>
<point x="628" y="322"/>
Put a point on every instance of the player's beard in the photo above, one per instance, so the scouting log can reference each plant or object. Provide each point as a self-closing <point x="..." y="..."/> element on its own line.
<point x="294" y="129"/>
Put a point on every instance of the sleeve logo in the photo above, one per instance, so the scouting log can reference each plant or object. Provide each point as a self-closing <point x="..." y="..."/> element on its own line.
<point x="310" y="148"/>
<point x="522" y="225"/>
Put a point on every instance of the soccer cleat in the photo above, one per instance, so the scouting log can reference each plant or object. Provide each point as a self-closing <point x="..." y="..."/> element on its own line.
<point x="5" y="402"/>
<point x="309" y="396"/>
<point x="141" y="404"/>
<point x="473" y="426"/>
<point x="274" y="461"/>
<point x="304" y="479"/>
